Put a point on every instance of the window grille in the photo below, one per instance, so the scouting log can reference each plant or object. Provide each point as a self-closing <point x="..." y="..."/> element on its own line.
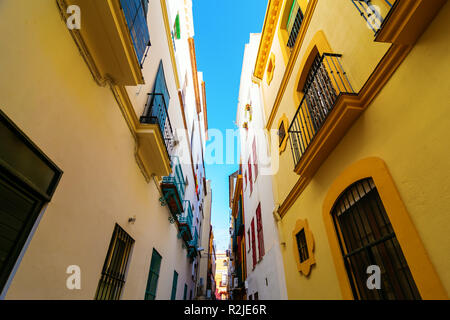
<point x="366" y="238"/>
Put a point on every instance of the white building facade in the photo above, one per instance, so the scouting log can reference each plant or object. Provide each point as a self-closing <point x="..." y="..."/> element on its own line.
<point x="265" y="271"/>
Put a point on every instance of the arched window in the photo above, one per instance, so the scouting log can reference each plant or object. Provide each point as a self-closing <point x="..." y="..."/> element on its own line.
<point x="366" y="238"/>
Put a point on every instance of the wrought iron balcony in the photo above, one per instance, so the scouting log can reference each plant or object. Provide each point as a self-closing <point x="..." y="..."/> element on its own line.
<point x="373" y="12"/>
<point x="185" y="221"/>
<point x="294" y="23"/>
<point x="173" y="188"/>
<point x="326" y="81"/>
<point x="194" y="242"/>
<point x="135" y="12"/>
<point x="156" y="113"/>
<point x="193" y="245"/>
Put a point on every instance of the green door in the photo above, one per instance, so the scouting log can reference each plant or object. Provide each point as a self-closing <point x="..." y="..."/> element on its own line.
<point x="152" y="282"/>
<point x="174" y="286"/>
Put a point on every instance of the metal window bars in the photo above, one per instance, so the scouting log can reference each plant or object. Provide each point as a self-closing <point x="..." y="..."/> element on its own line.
<point x="112" y="279"/>
<point x="371" y="12"/>
<point x="367" y="238"/>
<point x="135" y="12"/>
<point x="293" y="25"/>
<point x="155" y="112"/>
<point x="326" y="81"/>
<point x="302" y="246"/>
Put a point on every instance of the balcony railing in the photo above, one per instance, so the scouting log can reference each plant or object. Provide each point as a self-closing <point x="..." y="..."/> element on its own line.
<point x="326" y="81"/>
<point x="193" y="245"/>
<point x="155" y="112"/>
<point x="135" y="12"/>
<point x="294" y="23"/>
<point x="173" y="188"/>
<point x="194" y="242"/>
<point x="185" y="221"/>
<point x="373" y="12"/>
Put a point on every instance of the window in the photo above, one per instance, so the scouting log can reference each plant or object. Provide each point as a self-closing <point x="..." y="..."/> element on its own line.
<point x="249" y="240"/>
<point x="114" y="269"/>
<point x="293" y="23"/>
<point x="319" y="92"/>
<point x="255" y="158"/>
<point x="250" y="177"/>
<point x="290" y="24"/>
<point x="259" y="228"/>
<point x="185" y="292"/>
<point x="174" y="286"/>
<point x="28" y="180"/>
<point x="366" y="237"/>
<point x="155" y="111"/>
<point x="256" y="296"/>
<point x="176" y="27"/>
<point x="270" y="69"/>
<point x="135" y="12"/>
<point x="302" y="246"/>
<point x="152" y="282"/>
<point x="281" y="133"/>
<point x="253" y="242"/>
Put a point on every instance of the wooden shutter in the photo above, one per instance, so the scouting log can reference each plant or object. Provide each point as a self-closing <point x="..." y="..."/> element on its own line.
<point x="253" y="243"/>
<point x="152" y="283"/>
<point x="259" y="227"/>
<point x="174" y="286"/>
<point x="250" y="176"/>
<point x="135" y="12"/>
<point x="185" y="292"/>
<point x="160" y="84"/>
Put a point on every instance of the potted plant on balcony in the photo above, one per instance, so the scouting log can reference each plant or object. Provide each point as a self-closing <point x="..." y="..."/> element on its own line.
<point x="245" y="125"/>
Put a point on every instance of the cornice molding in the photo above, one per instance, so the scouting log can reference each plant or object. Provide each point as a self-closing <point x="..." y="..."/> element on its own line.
<point x="268" y="33"/>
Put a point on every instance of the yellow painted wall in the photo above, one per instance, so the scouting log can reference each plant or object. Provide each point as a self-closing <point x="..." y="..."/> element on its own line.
<point x="47" y="89"/>
<point x="407" y="126"/>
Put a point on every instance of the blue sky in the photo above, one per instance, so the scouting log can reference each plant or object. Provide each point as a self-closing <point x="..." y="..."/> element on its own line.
<point x="222" y="28"/>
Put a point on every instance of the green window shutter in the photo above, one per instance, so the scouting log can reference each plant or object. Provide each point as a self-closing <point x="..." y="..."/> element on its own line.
<point x="177" y="27"/>
<point x="185" y="292"/>
<point x="174" y="286"/>
<point x="152" y="283"/>
<point x="293" y="13"/>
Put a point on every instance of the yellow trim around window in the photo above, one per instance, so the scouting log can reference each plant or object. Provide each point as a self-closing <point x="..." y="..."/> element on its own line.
<point x="318" y="45"/>
<point x="422" y="270"/>
<point x="305" y="266"/>
<point x="270" y="69"/>
<point x="283" y="35"/>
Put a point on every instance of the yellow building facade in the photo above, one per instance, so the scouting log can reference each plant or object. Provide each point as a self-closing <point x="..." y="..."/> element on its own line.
<point x="81" y="96"/>
<point x="359" y="98"/>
